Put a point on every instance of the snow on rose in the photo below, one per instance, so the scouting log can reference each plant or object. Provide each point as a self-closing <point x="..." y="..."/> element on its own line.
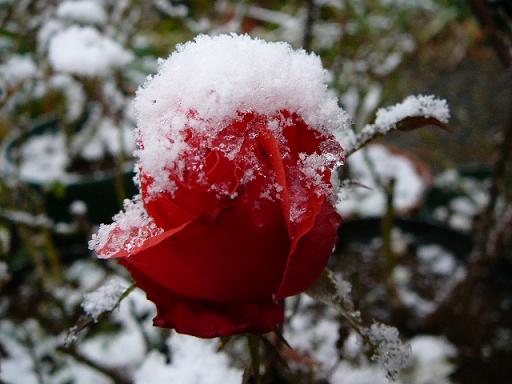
<point x="238" y="139"/>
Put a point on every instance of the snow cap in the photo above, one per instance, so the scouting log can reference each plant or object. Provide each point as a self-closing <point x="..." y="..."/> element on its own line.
<point x="210" y="81"/>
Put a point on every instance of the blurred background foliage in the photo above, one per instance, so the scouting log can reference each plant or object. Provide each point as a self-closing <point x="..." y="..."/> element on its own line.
<point x="68" y="75"/>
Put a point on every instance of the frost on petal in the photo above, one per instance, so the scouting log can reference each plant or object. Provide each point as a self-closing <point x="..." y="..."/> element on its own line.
<point x="85" y="51"/>
<point x="313" y="167"/>
<point x="213" y="82"/>
<point x="104" y="299"/>
<point x="389" y="351"/>
<point x="129" y="230"/>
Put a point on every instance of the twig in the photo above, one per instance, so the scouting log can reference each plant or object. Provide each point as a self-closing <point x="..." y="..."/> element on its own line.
<point x="382" y="340"/>
<point x="308" y="25"/>
<point x="370" y="132"/>
<point x="84" y="321"/>
<point x="325" y="290"/>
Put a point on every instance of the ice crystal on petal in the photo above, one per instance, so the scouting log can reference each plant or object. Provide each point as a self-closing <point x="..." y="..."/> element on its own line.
<point x="128" y="231"/>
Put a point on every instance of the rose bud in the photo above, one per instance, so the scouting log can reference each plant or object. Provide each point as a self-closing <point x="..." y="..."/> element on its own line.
<point x="237" y="144"/>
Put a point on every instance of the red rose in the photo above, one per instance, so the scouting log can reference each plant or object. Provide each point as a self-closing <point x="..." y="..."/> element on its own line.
<point x="240" y="217"/>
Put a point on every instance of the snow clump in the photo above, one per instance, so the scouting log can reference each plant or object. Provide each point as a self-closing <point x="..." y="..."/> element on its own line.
<point x="86" y="52"/>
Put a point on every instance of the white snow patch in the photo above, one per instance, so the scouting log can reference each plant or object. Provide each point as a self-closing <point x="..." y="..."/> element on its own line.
<point x="172" y="10"/>
<point x="436" y="259"/>
<point x="44" y="158"/>
<point x="108" y="138"/>
<point x="104" y="299"/>
<point x="78" y="207"/>
<point x="426" y="106"/>
<point x="413" y="300"/>
<point x="85" y="51"/>
<point x="74" y="93"/>
<point x="194" y="361"/>
<point x="17" y="69"/>
<point x="431" y="360"/>
<point x="85" y="11"/>
<point x="371" y="201"/>
<point x="371" y="374"/>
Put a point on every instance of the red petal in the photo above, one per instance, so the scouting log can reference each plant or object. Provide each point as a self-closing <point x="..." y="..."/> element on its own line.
<point x="311" y="252"/>
<point x="238" y="255"/>
<point x="206" y="319"/>
<point x="170" y="210"/>
<point x="150" y="242"/>
<point x="313" y="235"/>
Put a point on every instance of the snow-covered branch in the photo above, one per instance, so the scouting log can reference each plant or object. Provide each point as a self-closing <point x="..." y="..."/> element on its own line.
<point x="412" y="113"/>
<point x="384" y="341"/>
<point x="98" y="303"/>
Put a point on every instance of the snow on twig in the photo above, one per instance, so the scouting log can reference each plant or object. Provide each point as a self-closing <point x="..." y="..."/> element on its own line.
<point x="414" y="112"/>
<point x="98" y="303"/>
<point x="384" y="341"/>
